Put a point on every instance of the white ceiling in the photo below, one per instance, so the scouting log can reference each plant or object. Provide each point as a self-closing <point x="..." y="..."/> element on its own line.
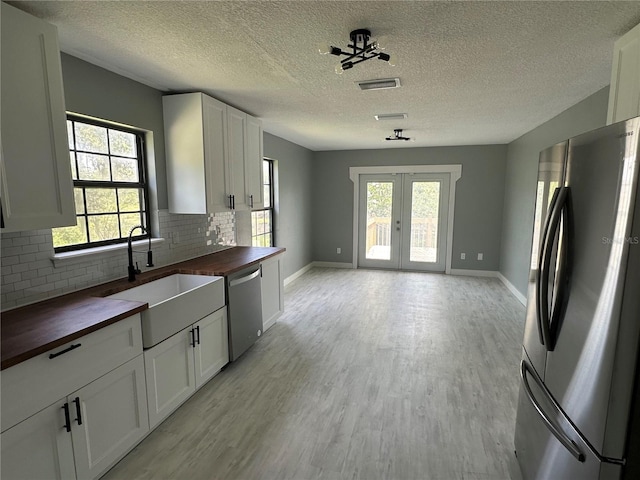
<point x="472" y="72"/>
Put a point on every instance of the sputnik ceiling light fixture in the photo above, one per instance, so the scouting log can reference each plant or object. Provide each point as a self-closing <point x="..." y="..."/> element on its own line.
<point x="361" y="50"/>
<point x="397" y="135"/>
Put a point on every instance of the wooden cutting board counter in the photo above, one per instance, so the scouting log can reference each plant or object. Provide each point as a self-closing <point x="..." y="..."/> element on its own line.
<point x="34" y="329"/>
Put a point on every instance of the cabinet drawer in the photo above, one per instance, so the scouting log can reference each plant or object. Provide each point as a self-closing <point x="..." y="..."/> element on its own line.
<point x="34" y="384"/>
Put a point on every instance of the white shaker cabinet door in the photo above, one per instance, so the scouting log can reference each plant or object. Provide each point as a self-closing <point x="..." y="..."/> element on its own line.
<point x="253" y="170"/>
<point x="212" y="346"/>
<point x="109" y="417"/>
<point x="39" y="447"/>
<point x="236" y="144"/>
<point x="35" y="170"/>
<point x="169" y="369"/>
<point x="216" y="169"/>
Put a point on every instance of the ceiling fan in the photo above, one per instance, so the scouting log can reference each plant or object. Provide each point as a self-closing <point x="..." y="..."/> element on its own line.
<point x="397" y="135"/>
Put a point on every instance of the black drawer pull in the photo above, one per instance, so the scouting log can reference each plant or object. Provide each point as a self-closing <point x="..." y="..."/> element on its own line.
<point x="78" y="412"/>
<point x="67" y="420"/>
<point x="72" y="347"/>
<point x="198" y="334"/>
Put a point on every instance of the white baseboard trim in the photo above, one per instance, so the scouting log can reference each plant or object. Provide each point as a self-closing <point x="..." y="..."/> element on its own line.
<point x="309" y="266"/>
<point x="474" y="273"/>
<point x="332" y="264"/>
<point x="516" y="293"/>
<point x="297" y="274"/>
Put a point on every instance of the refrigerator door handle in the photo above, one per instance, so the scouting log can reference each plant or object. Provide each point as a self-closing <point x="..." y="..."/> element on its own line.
<point x="564" y="270"/>
<point x="562" y="437"/>
<point x="542" y="277"/>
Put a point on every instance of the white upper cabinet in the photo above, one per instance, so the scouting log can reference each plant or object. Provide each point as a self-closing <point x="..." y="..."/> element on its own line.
<point x="237" y="142"/>
<point x="214" y="155"/>
<point x="624" y="93"/>
<point x="253" y="173"/>
<point x="195" y="131"/>
<point x="35" y="171"/>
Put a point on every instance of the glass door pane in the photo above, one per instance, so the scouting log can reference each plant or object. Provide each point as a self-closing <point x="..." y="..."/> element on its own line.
<point x="378" y="226"/>
<point x="425" y="205"/>
<point x="425" y="211"/>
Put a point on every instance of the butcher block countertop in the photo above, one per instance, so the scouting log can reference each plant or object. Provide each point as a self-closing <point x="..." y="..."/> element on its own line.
<point x="34" y="329"/>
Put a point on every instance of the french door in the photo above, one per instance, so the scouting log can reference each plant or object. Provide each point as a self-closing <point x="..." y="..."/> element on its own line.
<point x="403" y="221"/>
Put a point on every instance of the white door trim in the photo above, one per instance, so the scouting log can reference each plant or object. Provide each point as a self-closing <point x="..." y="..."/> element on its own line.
<point x="455" y="172"/>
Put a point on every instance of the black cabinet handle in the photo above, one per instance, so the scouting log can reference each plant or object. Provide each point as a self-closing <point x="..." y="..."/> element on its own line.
<point x="78" y="411"/>
<point x="61" y="352"/>
<point x="198" y="332"/>
<point x="251" y="200"/>
<point x="67" y="419"/>
<point x="233" y="202"/>
<point x="193" y="337"/>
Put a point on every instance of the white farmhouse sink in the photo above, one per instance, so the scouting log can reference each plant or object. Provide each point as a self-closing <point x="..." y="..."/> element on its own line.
<point x="175" y="302"/>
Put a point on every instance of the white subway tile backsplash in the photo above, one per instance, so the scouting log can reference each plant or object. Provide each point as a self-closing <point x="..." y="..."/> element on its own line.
<point x="22" y="285"/>
<point x="12" y="260"/>
<point x="11" y="278"/>
<point x="28" y="274"/>
<point x="10" y="250"/>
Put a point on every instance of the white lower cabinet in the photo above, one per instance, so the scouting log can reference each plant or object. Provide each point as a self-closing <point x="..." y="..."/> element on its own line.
<point x="176" y="367"/>
<point x="170" y="378"/>
<point x="113" y="411"/>
<point x="212" y="346"/>
<point x="272" y="290"/>
<point x="39" y="447"/>
<point x="81" y="435"/>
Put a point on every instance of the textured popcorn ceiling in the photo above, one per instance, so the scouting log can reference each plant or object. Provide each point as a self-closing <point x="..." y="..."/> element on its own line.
<point x="471" y="72"/>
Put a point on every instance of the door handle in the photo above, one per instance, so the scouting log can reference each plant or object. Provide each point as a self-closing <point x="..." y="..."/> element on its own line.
<point x="62" y="352"/>
<point x="562" y="437"/>
<point x="193" y="337"/>
<point x="564" y="269"/>
<point x="544" y="260"/>
<point x="78" y="410"/>
<point x="198" y="334"/>
<point x="238" y="281"/>
<point x="67" y="418"/>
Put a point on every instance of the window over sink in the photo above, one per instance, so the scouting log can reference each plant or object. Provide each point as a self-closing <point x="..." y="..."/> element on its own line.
<point x="110" y="191"/>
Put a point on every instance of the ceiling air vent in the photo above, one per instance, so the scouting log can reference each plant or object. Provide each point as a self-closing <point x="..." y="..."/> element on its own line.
<point x="391" y="116"/>
<point x="379" y="84"/>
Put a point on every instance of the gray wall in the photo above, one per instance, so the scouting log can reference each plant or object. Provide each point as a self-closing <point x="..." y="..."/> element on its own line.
<point x="521" y="177"/>
<point x="479" y="199"/>
<point x="294" y="192"/>
<point x="94" y="91"/>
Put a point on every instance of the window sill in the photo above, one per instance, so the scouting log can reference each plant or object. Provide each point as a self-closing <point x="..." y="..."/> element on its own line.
<point x="77" y="256"/>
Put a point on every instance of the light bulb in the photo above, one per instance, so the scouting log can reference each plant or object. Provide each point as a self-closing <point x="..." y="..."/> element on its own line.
<point x="393" y="60"/>
<point x="381" y="43"/>
<point x="339" y="69"/>
<point x="323" y="48"/>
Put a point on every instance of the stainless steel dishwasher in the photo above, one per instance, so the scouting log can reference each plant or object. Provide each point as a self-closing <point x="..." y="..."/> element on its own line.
<point x="244" y="298"/>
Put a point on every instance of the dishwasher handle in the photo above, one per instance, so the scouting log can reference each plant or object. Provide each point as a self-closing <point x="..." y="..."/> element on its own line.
<point x="247" y="278"/>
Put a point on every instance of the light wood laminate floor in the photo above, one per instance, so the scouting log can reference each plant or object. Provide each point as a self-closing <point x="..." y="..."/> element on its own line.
<point x="368" y="375"/>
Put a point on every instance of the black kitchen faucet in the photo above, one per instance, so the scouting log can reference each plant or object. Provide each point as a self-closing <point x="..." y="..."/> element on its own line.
<point x="133" y="270"/>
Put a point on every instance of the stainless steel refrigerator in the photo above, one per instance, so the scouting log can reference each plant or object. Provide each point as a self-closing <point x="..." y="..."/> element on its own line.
<point x="579" y="403"/>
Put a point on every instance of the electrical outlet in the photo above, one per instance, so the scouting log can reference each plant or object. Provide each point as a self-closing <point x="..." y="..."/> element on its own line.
<point x="463" y="256"/>
<point x="480" y="256"/>
<point x="338" y="250"/>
